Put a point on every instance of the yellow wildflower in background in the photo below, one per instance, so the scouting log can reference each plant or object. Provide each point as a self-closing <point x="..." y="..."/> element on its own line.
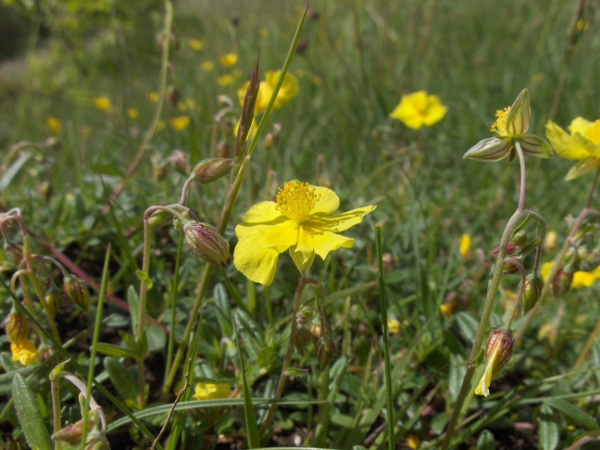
<point x="229" y="60"/>
<point x="153" y="97"/>
<point x="133" y="113"/>
<point x="24" y="351"/>
<point x="418" y="109"/>
<point x="394" y="326"/>
<point x="207" y="66"/>
<point x="196" y="44"/>
<point x="289" y="89"/>
<point x="209" y="391"/>
<point x="54" y="125"/>
<point x="581" y="279"/>
<point x="465" y="246"/>
<point x="583" y="144"/>
<point x="225" y="80"/>
<point x="103" y="103"/>
<point x="299" y="221"/>
<point x="180" y="123"/>
<point x="550" y="241"/>
<point x="413" y="441"/>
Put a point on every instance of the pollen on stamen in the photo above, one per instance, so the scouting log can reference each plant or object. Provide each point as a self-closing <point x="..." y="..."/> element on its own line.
<point x="499" y="125"/>
<point x="593" y="133"/>
<point x="296" y="200"/>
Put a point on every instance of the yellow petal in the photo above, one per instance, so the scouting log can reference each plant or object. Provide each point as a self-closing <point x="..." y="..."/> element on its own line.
<point x="563" y="144"/>
<point x="582" y="279"/>
<point x="339" y="222"/>
<point x="435" y="113"/>
<point x="279" y="235"/>
<point x="580" y="125"/>
<point x="263" y="212"/>
<point x="319" y="242"/>
<point x="327" y="201"/>
<point x="484" y="384"/>
<point x="545" y="269"/>
<point x="257" y="264"/>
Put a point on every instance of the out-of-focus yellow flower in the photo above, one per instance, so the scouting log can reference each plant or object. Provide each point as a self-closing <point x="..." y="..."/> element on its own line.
<point x="24" y="351"/>
<point x="413" y="441"/>
<point x="196" y="44"/>
<point x="264" y="32"/>
<point x="133" y="113"/>
<point x="289" y="89"/>
<point x="180" y="123"/>
<point x="153" y="96"/>
<point x="229" y="59"/>
<point x="550" y="241"/>
<point x="225" y="80"/>
<point x="418" y="109"/>
<point x="300" y="221"/>
<point x="583" y="144"/>
<point x="210" y="391"/>
<point x="394" y="326"/>
<point x="103" y="103"/>
<point x="465" y="246"/>
<point x="190" y="103"/>
<point x="207" y="66"/>
<point x="581" y="279"/>
<point x="582" y="26"/>
<point x="54" y="125"/>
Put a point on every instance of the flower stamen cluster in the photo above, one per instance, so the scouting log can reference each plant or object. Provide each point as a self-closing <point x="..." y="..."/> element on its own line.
<point x="499" y="126"/>
<point x="296" y="200"/>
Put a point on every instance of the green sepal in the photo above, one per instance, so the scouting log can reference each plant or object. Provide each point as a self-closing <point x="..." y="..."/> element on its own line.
<point x="582" y="167"/>
<point x="536" y="147"/>
<point x="519" y="117"/>
<point x="489" y="150"/>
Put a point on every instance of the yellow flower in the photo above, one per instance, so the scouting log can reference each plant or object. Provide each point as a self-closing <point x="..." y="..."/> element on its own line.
<point x="581" y="279"/>
<point x="550" y="241"/>
<point x="153" y="96"/>
<point x="583" y="144"/>
<point x="103" y="103"/>
<point x="207" y="66"/>
<point x="54" y="125"/>
<point x="196" y="44"/>
<point x="209" y="391"/>
<point x="228" y="60"/>
<point x="289" y="89"/>
<point x="394" y="326"/>
<point x="413" y="441"/>
<point x="498" y="350"/>
<point x="24" y="351"/>
<point x="418" y="109"/>
<point x="465" y="246"/>
<point x="225" y="80"/>
<point x="133" y="113"/>
<point x="299" y="221"/>
<point x="179" y="123"/>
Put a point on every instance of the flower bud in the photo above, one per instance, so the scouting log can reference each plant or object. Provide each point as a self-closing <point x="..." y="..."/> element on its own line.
<point x="532" y="291"/>
<point x="303" y="337"/>
<point x="204" y="241"/>
<point x="499" y="348"/>
<point x="76" y="291"/>
<point x="71" y="434"/>
<point x="209" y="170"/>
<point x="158" y="216"/>
<point x="16" y="326"/>
<point x="53" y="298"/>
<point x="509" y="268"/>
<point x="561" y="284"/>
<point x="13" y="253"/>
<point x="325" y="351"/>
<point x="520" y="238"/>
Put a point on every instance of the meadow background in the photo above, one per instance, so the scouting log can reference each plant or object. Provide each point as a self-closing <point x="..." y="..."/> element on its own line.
<point x="354" y="61"/>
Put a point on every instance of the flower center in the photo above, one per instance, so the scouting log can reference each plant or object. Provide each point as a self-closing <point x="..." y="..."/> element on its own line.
<point x="593" y="133"/>
<point x="296" y="200"/>
<point x="499" y="125"/>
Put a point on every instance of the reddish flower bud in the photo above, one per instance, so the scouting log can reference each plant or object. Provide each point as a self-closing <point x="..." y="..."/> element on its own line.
<point x="503" y="342"/>
<point x="204" y="241"/>
<point x="561" y="284"/>
<point x="209" y="170"/>
<point x="509" y="250"/>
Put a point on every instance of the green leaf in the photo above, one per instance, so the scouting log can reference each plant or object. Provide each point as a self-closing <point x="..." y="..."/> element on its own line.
<point x="489" y="150"/>
<point x="133" y="300"/>
<point x="113" y="350"/>
<point x="548" y="431"/>
<point x="223" y="308"/>
<point x="121" y="378"/>
<point x="486" y="441"/>
<point x="250" y="334"/>
<point x="6" y="379"/>
<point x="156" y="338"/>
<point x="582" y="167"/>
<point x="519" y="117"/>
<point x="13" y="170"/>
<point x="576" y="414"/>
<point x="536" y="147"/>
<point x="144" y="278"/>
<point x="29" y="415"/>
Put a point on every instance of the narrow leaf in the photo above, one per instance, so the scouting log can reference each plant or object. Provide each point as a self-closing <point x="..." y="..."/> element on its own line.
<point x="576" y="414"/>
<point x="548" y="431"/>
<point x="29" y="415"/>
<point x="122" y="379"/>
<point x="145" y="278"/>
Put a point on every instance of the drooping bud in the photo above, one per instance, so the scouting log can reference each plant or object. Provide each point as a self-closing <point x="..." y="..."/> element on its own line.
<point x="158" y="216"/>
<point x="76" y="291"/>
<point x="561" y="284"/>
<point x="204" y="241"/>
<point x="209" y="170"/>
<point x="13" y="253"/>
<point x="325" y="351"/>
<point x="71" y="434"/>
<point x="498" y="350"/>
<point x="532" y="291"/>
<point x="510" y="267"/>
<point x="520" y="238"/>
<point x="510" y="249"/>
<point x="16" y="326"/>
<point x="53" y="298"/>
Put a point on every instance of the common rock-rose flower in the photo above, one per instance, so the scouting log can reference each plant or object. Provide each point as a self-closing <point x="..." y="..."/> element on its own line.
<point x="299" y="221"/>
<point x="418" y="109"/>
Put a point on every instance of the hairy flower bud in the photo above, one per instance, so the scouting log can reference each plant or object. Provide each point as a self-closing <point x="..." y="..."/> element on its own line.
<point x="532" y="291"/>
<point x="158" y="216"/>
<point x="16" y="326"/>
<point x="325" y="351"/>
<point x="561" y="284"/>
<point x="204" y="241"/>
<point x="209" y="170"/>
<point x="76" y="291"/>
<point x="53" y="298"/>
<point x="498" y="350"/>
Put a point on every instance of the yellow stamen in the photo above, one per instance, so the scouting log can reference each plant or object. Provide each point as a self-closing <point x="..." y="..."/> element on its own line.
<point x="499" y="125"/>
<point x="593" y="133"/>
<point x="296" y="200"/>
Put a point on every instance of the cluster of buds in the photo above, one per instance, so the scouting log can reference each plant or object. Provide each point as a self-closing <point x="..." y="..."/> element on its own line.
<point x="498" y="350"/>
<point x="312" y="328"/>
<point x="521" y="245"/>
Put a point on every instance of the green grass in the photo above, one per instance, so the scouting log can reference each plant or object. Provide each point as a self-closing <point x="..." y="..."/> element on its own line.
<point x="354" y="62"/>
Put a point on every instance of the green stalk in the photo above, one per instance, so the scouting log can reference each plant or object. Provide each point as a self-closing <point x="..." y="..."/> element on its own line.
<point x="386" y="347"/>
